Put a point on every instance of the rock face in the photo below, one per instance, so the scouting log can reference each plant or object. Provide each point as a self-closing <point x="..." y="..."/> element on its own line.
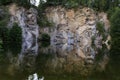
<point x="27" y="20"/>
<point x="79" y="25"/>
<point x="75" y="40"/>
<point x="75" y="28"/>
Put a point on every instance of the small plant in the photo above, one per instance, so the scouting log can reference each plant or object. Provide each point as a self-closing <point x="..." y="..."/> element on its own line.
<point x="42" y="21"/>
<point x="45" y="37"/>
<point x="100" y="27"/>
<point x="45" y="44"/>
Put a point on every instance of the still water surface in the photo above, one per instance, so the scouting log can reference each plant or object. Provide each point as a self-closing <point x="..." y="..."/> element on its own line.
<point x="58" y="62"/>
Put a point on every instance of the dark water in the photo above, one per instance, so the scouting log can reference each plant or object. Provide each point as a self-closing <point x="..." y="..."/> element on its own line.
<point x="57" y="63"/>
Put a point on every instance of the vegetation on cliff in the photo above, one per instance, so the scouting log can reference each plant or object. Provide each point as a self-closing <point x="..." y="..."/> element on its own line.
<point x="8" y="35"/>
<point x="25" y="3"/>
<point x="102" y="5"/>
<point x="115" y="31"/>
<point x="15" y="34"/>
<point x="4" y="32"/>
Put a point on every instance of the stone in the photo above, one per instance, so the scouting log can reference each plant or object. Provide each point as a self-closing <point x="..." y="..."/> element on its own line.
<point x="76" y="28"/>
<point x="70" y="14"/>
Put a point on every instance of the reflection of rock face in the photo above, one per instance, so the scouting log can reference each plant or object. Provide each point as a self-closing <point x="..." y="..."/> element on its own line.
<point x="35" y="77"/>
<point x="71" y="58"/>
<point x="27" y="20"/>
<point x="27" y="60"/>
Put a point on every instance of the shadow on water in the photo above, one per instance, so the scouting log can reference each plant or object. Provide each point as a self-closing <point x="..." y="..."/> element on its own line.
<point x="56" y="63"/>
<point x="45" y="44"/>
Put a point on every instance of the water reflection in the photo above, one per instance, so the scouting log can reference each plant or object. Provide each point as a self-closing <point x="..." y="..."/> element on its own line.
<point x="35" y="77"/>
<point x="56" y="62"/>
<point x="71" y="58"/>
